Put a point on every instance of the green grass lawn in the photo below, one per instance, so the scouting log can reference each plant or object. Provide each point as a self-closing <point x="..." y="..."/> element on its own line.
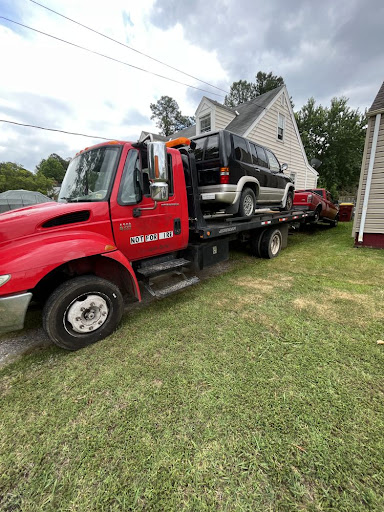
<point x="261" y="389"/>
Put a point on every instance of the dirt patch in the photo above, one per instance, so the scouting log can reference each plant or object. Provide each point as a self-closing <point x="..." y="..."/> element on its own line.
<point x="345" y="307"/>
<point x="264" y="285"/>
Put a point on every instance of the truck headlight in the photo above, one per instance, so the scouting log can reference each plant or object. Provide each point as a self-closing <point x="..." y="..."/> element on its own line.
<point x="4" y="279"/>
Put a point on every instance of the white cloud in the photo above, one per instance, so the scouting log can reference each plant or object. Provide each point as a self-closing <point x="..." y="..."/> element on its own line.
<point x="99" y="94"/>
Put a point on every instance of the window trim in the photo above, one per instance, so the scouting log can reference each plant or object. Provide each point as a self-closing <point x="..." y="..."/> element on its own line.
<point x="202" y="118"/>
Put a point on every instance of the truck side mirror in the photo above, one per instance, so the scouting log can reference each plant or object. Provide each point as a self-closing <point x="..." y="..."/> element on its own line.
<point x="284" y="167"/>
<point x="159" y="191"/>
<point x="158" y="162"/>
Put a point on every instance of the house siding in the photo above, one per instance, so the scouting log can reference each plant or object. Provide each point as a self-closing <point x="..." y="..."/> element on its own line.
<point x="287" y="151"/>
<point x="374" y="222"/>
<point x="222" y="119"/>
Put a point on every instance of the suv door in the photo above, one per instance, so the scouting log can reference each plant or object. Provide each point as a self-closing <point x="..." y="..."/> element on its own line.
<point x="241" y="164"/>
<point x="280" y="180"/>
<point x="267" y="189"/>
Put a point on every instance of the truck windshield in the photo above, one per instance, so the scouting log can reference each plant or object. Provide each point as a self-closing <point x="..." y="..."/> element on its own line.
<point x="89" y="175"/>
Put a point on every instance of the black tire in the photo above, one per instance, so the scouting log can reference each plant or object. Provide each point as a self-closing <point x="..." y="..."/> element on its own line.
<point x="335" y="222"/>
<point x="94" y="306"/>
<point x="316" y="216"/>
<point x="255" y="242"/>
<point x="289" y="201"/>
<point x="247" y="203"/>
<point x="271" y="242"/>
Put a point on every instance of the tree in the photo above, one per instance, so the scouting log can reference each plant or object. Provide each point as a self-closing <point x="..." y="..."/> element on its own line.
<point x="335" y="135"/>
<point x="53" y="167"/>
<point x="240" y="92"/>
<point x="15" y="177"/>
<point x="168" y="116"/>
<point x="243" y="91"/>
<point x="266" y="82"/>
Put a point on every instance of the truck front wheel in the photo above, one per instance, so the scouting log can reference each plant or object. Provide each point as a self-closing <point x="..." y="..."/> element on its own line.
<point x="82" y="311"/>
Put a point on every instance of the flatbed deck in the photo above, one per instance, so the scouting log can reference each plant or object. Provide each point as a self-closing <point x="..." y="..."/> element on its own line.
<point x="222" y="225"/>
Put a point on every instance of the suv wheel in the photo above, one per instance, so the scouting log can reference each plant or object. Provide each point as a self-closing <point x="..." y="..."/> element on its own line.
<point x="247" y="203"/>
<point x="289" y="201"/>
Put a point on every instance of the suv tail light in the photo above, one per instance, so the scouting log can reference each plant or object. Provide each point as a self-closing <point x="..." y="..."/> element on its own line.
<point x="224" y="175"/>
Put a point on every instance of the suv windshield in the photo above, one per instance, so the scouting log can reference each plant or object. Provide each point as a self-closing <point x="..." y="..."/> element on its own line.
<point x="89" y="175"/>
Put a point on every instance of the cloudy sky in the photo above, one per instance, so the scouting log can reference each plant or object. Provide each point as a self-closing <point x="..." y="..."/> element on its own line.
<point x="322" y="49"/>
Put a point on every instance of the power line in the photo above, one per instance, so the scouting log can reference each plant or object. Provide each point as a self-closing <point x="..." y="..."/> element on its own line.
<point x="129" y="47"/>
<point x="53" y="130"/>
<point x="110" y="58"/>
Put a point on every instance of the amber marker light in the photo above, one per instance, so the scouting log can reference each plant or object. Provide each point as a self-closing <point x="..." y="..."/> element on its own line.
<point x="157" y="173"/>
<point x="109" y="248"/>
<point x="181" y="141"/>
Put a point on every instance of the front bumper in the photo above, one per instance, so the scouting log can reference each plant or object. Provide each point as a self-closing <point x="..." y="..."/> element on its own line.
<point x="13" y="310"/>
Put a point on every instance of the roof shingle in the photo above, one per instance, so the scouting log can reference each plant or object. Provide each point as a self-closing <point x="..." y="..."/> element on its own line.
<point x="378" y="102"/>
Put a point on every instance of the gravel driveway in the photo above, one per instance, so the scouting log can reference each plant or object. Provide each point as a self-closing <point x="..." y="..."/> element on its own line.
<point x="18" y="344"/>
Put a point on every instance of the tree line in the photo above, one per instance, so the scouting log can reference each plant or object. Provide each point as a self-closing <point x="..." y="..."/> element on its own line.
<point x="49" y="173"/>
<point x="333" y="134"/>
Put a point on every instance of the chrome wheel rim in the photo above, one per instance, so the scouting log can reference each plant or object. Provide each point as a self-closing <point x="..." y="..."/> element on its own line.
<point x="86" y="313"/>
<point x="275" y="244"/>
<point x="248" y="205"/>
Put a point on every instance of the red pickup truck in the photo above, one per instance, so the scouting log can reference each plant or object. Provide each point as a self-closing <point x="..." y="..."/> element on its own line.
<point x="320" y="202"/>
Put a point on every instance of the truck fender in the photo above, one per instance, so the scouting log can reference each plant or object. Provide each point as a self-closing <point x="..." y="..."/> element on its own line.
<point x="243" y="182"/>
<point x="120" y="258"/>
<point x="32" y="259"/>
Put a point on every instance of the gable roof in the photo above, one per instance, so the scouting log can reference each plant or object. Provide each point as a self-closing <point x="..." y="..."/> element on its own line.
<point x="250" y="111"/>
<point x="245" y="113"/>
<point x="155" y="136"/>
<point x="186" y="132"/>
<point x="378" y="102"/>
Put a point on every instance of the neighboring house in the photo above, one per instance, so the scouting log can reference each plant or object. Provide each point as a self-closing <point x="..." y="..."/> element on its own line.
<point x="12" y="199"/>
<point x="267" y="119"/>
<point x="368" y="227"/>
<point x="155" y="137"/>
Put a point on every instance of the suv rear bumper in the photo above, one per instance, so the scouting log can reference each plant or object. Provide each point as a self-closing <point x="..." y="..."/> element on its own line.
<point x="218" y="194"/>
<point x="13" y="310"/>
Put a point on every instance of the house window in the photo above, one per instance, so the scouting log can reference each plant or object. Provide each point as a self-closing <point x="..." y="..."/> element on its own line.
<point x="280" y="127"/>
<point x="205" y="123"/>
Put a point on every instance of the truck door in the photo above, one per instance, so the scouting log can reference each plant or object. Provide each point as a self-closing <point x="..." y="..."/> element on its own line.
<point x="140" y="230"/>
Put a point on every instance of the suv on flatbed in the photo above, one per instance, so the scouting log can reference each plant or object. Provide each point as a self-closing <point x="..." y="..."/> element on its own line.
<point x="235" y="174"/>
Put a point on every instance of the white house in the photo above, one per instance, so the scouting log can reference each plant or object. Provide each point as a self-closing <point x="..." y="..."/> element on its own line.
<point x="368" y="227"/>
<point x="267" y="119"/>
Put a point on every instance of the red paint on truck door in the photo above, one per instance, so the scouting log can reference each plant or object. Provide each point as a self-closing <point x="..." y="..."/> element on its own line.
<point x="156" y="231"/>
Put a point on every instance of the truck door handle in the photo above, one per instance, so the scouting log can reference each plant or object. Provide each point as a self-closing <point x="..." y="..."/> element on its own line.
<point x="177" y="226"/>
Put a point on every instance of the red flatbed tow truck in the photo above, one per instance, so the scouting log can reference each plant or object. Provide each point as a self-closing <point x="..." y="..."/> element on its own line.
<point x="127" y="213"/>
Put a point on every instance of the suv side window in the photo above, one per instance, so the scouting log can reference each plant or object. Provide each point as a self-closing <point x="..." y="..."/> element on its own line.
<point x="212" y="147"/>
<point x="240" y="149"/>
<point x="262" y="157"/>
<point x="273" y="162"/>
<point x="199" y="149"/>
<point x="255" y="160"/>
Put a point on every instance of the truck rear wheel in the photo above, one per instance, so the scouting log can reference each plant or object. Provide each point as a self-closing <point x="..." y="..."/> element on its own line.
<point x="271" y="242"/>
<point x="82" y="311"/>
